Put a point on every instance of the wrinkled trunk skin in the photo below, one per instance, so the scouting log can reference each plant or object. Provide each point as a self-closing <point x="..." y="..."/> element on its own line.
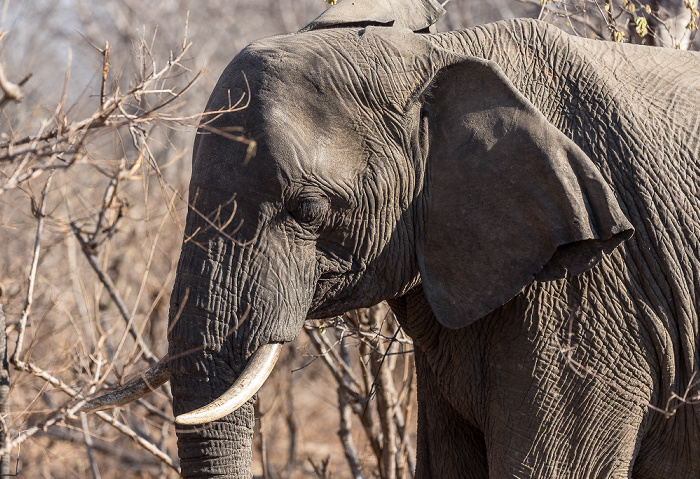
<point x="208" y="350"/>
<point x="227" y="301"/>
<point x="199" y="346"/>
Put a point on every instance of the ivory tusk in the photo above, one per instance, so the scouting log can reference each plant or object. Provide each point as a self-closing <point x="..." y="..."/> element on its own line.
<point x="155" y="377"/>
<point x="251" y="379"/>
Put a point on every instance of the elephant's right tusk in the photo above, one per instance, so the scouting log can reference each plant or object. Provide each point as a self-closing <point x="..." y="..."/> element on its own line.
<point x="251" y="379"/>
<point x="149" y="381"/>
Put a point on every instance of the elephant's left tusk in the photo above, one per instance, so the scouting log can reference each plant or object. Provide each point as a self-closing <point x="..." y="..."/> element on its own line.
<point x="149" y="381"/>
<point x="251" y="379"/>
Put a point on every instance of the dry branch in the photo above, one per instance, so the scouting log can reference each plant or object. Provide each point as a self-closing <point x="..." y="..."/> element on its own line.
<point x="373" y="394"/>
<point x="41" y="217"/>
<point x="116" y="297"/>
<point x="70" y="412"/>
<point x="4" y="390"/>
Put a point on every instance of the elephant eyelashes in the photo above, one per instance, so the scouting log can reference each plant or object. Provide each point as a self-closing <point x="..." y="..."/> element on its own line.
<point x="310" y="210"/>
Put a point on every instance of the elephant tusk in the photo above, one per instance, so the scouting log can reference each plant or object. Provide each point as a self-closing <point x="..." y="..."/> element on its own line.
<point x="251" y="379"/>
<point x="155" y="377"/>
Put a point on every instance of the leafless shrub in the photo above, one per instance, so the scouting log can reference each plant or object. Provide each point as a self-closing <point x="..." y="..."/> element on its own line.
<point x="381" y="354"/>
<point x="96" y="173"/>
<point x="91" y="214"/>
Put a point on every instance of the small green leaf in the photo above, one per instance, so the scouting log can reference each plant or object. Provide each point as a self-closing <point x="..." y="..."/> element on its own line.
<point x="641" y="26"/>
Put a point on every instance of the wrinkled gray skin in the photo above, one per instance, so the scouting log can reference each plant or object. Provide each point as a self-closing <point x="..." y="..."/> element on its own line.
<point x="403" y="166"/>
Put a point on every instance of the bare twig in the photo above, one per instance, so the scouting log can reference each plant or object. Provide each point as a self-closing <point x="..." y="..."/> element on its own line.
<point x="69" y="412"/>
<point x="88" y="443"/>
<point x="385" y="401"/>
<point x="105" y="71"/>
<point x="4" y="391"/>
<point x="345" y="431"/>
<point x="114" y="294"/>
<point x="292" y="425"/>
<point x="40" y="212"/>
<point x="321" y="469"/>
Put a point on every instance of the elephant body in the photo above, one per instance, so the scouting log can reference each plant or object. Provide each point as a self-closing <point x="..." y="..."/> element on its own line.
<point x="528" y="203"/>
<point x="560" y="377"/>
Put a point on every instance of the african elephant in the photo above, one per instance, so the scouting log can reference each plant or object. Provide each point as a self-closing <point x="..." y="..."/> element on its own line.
<point x="527" y="201"/>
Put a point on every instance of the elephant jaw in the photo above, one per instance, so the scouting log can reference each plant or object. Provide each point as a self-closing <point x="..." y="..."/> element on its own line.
<point x="248" y="383"/>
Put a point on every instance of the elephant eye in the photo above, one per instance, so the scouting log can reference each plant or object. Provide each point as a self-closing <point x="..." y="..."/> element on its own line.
<point x="310" y="210"/>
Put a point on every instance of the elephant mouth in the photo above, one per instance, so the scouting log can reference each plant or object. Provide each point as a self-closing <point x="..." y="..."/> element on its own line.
<point x="333" y="282"/>
<point x="334" y="291"/>
<point x="331" y="274"/>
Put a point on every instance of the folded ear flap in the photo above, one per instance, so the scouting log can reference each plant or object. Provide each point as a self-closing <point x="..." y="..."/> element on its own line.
<point x="418" y="15"/>
<point x="508" y="198"/>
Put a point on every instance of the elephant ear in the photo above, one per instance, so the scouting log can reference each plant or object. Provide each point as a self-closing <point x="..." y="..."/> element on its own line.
<point x="418" y="15"/>
<point x="508" y="197"/>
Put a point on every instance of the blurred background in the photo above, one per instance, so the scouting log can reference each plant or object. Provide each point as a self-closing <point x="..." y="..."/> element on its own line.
<point x="99" y="108"/>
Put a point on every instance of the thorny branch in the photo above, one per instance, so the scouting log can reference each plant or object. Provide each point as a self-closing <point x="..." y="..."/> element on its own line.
<point x="68" y="150"/>
<point x="374" y="392"/>
<point x="40" y="212"/>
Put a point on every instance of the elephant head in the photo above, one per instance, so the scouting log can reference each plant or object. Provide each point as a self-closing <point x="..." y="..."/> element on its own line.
<point x="374" y="160"/>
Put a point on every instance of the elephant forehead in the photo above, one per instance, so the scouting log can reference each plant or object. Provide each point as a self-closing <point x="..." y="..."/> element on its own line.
<point x="373" y="67"/>
<point x="312" y="135"/>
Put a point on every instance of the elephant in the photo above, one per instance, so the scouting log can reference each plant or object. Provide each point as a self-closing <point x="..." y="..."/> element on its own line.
<point x="527" y="202"/>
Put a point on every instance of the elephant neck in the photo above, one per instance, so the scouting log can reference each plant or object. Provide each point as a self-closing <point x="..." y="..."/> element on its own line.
<point x="417" y="318"/>
<point x="533" y="55"/>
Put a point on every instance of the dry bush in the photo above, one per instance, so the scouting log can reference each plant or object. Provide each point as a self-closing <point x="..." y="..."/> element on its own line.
<point x="92" y="306"/>
<point x="663" y="23"/>
<point x="351" y="379"/>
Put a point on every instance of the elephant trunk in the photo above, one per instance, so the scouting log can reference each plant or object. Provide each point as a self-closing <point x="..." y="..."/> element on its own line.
<point x="206" y="357"/>
<point x="251" y="379"/>
<point x="229" y="309"/>
<point x="222" y="448"/>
